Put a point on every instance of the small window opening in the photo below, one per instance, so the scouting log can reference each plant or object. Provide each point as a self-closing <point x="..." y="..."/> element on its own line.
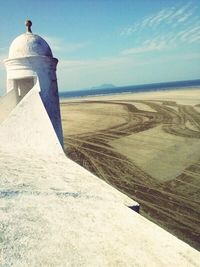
<point x="19" y="92"/>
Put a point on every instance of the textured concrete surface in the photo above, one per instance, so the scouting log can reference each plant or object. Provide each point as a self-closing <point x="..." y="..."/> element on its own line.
<point x="8" y="103"/>
<point x="55" y="213"/>
<point x="28" y="128"/>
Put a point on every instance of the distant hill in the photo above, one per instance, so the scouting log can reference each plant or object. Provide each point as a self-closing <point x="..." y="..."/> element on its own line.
<point x="112" y="89"/>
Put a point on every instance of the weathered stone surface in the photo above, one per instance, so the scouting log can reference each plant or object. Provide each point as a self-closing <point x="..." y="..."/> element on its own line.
<point x="29" y="44"/>
<point x="31" y="61"/>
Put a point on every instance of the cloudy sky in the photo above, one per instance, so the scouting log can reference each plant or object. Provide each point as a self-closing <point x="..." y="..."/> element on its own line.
<point x="122" y="42"/>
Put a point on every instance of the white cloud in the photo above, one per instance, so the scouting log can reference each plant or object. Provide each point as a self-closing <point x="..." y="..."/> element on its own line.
<point x="195" y="39"/>
<point x="181" y="27"/>
<point x="93" y="63"/>
<point x="172" y="16"/>
<point x="189" y="33"/>
<point x="58" y="44"/>
<point x="168" y="40"/>
<point x="147" y="46"/>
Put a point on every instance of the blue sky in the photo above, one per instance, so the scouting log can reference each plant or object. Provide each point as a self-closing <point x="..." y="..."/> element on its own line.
<point x="122" y="42"/>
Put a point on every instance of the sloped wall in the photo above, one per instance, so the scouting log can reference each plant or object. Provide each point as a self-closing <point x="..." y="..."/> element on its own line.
<point x="7" y="103"/>
<point x="28" y="128"/>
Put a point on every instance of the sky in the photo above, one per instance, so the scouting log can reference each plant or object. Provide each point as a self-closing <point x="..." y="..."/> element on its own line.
<point x="119" y="42"/>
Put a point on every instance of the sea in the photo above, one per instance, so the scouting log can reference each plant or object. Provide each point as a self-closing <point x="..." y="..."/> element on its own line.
<point x="132" y="89"/>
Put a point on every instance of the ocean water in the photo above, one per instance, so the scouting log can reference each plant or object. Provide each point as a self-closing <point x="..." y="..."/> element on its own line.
<point x="131" y="89"/>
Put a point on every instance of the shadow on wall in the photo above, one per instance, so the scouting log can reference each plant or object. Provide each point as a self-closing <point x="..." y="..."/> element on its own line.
<point x="135" y="208"/>
<point x="20" y="87"/>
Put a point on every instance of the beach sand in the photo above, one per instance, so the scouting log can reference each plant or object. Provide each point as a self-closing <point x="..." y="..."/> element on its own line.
<point x="148" y="146"/>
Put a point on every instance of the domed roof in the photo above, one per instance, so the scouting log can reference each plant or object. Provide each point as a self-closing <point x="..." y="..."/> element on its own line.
<point x="29" y="44"/>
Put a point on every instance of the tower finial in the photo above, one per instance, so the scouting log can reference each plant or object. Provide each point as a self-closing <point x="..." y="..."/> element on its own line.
<point x="28" y="24"/>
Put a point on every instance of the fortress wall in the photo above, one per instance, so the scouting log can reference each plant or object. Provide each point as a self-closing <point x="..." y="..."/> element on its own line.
<point x="55" y="213"/>
<point x="20" y="87"/>
<point x="28" y="128"/>
<point x="8" y="103"/>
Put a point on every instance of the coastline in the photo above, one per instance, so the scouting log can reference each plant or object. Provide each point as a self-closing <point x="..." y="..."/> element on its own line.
<point x="146" y="144"/>
<point x="190" y="92"/>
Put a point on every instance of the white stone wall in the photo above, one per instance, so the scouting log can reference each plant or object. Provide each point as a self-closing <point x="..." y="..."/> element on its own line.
<point x="42" y="69"/>
<point x="7" y="103"/>
<point x="28" y="128"/>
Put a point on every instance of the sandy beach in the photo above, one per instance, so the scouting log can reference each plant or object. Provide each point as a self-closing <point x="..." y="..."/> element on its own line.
<point x="148" y="146"/>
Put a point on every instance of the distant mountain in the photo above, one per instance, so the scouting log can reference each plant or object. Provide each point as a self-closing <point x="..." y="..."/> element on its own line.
<point x="103" y="86"/>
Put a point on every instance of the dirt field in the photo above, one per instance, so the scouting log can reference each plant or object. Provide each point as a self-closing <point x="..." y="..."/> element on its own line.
<point x="146" y="145"/>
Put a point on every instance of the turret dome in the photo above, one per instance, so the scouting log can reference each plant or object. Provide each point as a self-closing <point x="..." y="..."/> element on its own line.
<point x="29" y="44"/>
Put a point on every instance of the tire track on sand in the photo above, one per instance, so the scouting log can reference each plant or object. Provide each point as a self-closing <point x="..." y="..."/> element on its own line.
<point x="164" y="203"/>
